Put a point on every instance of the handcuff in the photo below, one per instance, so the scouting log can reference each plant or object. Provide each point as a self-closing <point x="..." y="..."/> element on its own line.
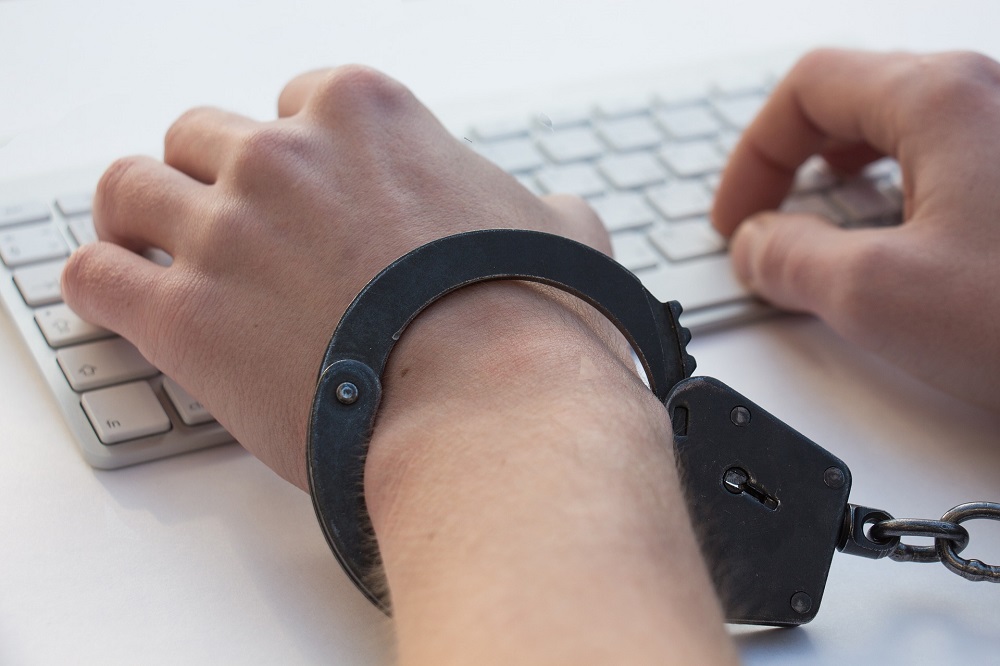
<point x="770" y="506"/>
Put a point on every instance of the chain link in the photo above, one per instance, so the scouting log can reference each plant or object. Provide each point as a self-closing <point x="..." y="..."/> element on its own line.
<point x="950" y="539"/>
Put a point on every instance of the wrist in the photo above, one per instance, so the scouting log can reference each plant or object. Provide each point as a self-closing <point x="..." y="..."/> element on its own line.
<point x="489" y="349"/>
<point x="516" y="454"/>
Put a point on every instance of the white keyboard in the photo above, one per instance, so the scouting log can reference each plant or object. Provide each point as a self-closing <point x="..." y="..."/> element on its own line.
<point x="648" y="164"/>
<point x="120" y="408"/>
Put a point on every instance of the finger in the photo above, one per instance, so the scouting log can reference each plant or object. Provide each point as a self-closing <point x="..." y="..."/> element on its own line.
<point x="293" y="98"/>
<point x="842" y="96"/>
<point x="806" y="263"/>
<point x="111" y="287"/>
<point x="142" y="203"/>
<point x="200" y="142"/>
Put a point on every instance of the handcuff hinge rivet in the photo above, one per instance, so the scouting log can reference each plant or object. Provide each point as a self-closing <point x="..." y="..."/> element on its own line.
<point x="834" y="478"/>
<point x="347" y="393"/>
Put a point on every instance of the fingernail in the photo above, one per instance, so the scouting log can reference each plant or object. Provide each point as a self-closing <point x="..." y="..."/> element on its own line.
<point x="743" y="246"/>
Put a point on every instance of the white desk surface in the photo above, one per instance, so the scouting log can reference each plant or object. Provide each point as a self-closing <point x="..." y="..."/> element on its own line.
<point x="210" y="558"/>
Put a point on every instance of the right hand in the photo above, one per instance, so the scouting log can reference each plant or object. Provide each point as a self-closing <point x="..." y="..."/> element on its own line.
<point x="924" y="294"/>
<point x="274" y="227"/>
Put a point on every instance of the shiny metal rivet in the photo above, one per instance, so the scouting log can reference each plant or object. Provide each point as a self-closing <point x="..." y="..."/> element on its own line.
<point x="801" y="603"/>
<point x="740" y="416"/>
<point x="834" y="477"/>
<point x="347" y="393"/>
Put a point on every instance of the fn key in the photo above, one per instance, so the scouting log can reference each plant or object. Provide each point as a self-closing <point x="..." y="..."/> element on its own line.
<point x="125" y="412"/>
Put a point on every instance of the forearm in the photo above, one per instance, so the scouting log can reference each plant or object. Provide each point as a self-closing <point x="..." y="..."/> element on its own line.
<point x="525" y="498"/>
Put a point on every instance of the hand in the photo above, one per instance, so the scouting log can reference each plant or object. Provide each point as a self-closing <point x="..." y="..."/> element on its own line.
<point x="273" y="228"/>
<point x="922" y="294"/>
<point x="535" y="474"/>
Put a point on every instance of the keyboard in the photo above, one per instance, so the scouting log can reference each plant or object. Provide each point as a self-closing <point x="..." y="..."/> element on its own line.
<point x="647" y="163"/>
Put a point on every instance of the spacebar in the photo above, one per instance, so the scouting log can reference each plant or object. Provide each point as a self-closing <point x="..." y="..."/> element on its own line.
<point x="696" y="284"/>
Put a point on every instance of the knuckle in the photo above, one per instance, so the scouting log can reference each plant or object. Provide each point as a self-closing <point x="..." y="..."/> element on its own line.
<point x="960" y="82"/>
<point x="269" y="151"/>
<point x="814" y="61"/>
<point x="116" y="186"/>
<point x="228" y="222"/>
<point x="178" y="128"/>
<point x="358" y="86"/>
<point x="972" y="67"/>
<point x="79" y="271"/>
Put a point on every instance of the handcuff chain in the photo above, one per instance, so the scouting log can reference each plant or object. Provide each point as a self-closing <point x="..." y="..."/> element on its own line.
<point x="950" y="539"/>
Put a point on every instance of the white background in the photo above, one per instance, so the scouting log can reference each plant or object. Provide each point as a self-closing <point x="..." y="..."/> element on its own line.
<point x="209" y="558"/>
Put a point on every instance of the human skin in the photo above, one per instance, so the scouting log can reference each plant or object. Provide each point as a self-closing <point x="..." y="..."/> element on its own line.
<point x="923" y="294"/>
<point x="520" y="478"/>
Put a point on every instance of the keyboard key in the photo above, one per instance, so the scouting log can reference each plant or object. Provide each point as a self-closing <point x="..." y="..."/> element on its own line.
<point x="28" y="211"/>
<point x="687" y="240"/>
<point x="726" y="141"/>
<point x="125" y="412"/>
<point x="579" y="179"/>
<point x="893" y="192"/>
<point x="885" y="168"/>
<point x="63" y="327"/>
<point x="738" y="83"/>
<point x="689" y="122"/>
<point x="190" y="410"/>
<point x="815" y="204"/>
<point x="512" y="155"/>
<point x="684" y="94"/>
<point x="571" y="145"/>
<point x="632" y="251"/>
<point x="863" y="202"/>
<point x="556" y="119"/>
<point x="39" y="284"/>
<point x="627" y="172"/>
<point x="813" y="176"/>
<point x="98" y="364"/>
<point x="738" y="112"/>
<point x="692" y="158"/>
<point x="697" y="284"/>
<point x="680" y="199"/>
<point x="529" y="183"/>
<point x="634" y="133"/>
<point x="75" y="204"/>
<point x="27" y="244"/>
<point x="82" y="229"/>
<point x="501" y="129"/>
<point x="625" y="210"/>
<point x="622" y="107"/>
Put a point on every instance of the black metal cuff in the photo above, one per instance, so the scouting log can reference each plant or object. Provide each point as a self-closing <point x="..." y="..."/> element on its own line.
<point x="349" y="389"/>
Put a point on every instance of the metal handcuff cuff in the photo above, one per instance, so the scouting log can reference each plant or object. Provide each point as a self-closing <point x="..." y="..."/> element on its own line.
<point x="771" y="505"/>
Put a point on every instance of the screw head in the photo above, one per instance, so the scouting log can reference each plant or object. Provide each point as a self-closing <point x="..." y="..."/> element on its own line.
<point x="740" y="416"/>
<point x="801" y="603"/>
<point x="347" y="393"/>
<point x="834" y="477"/>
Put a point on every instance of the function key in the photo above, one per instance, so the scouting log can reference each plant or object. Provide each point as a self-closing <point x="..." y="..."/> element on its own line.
<point x="125" y="412"/>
